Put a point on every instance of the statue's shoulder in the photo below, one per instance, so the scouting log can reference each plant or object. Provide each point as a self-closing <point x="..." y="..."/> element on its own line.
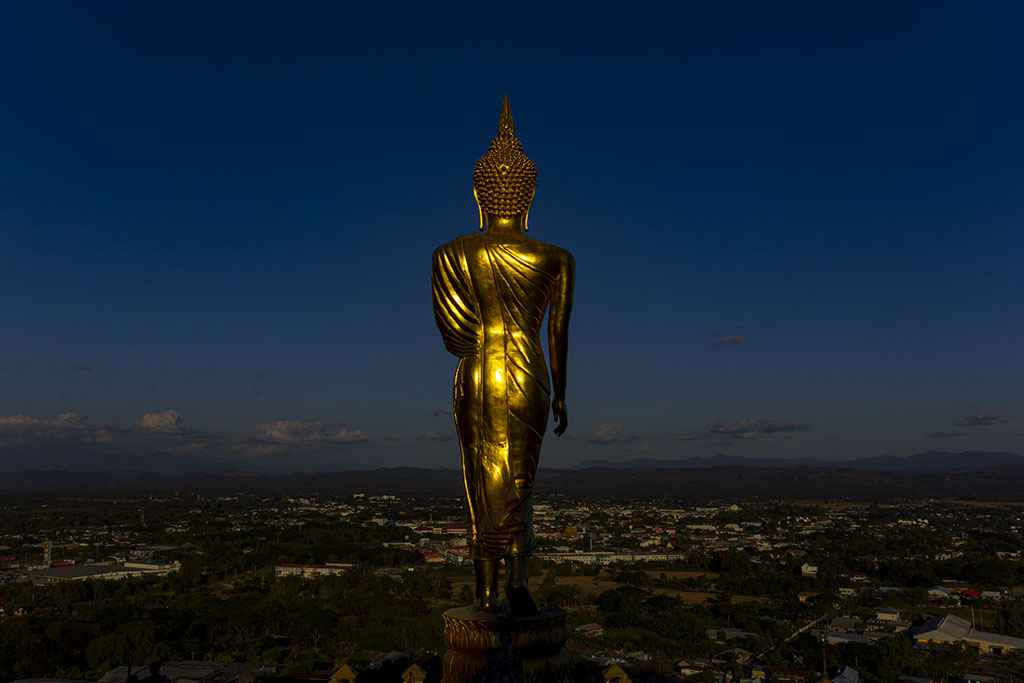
<point x="555" y="254"/>
<point x="462" y="242"/>
<point x="470" y="239"/>
<point x="467" y="242"/>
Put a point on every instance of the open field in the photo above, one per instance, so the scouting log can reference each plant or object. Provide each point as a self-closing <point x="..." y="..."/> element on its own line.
<point x="591" y="587"/>
<point x="679" y="575"/>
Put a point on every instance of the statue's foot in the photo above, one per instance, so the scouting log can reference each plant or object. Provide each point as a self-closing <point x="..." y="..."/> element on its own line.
<point x="520" y="601"/>
<point x="487" y="604"/>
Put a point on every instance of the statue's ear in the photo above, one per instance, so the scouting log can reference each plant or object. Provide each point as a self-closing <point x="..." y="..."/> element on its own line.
<point x="479" y="208"/>
<point x="526" y="218"/>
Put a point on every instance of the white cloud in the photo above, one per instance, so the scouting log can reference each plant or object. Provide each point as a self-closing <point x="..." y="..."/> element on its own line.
<point x="982" y="419"/>
<point x="728" y="341"/>
<point x="609" y="433"/>
<point x="773" y="426"/>
<point x="20" y="421"/>
<point x="443" y="435"/>
<point x="750" y="428"/>
<point x="25" y="430"/>
<point x="166" y="422"/>
<point x="735" y="427"/>
<point x="71" y="418"/>
<point x="165" y="430"/>
<point x="305" y="433"/>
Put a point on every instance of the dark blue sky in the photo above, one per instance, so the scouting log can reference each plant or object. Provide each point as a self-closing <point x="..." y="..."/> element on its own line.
<point x="227" y="210"/>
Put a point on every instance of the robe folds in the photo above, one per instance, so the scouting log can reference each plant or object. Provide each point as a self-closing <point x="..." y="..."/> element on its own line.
<point x="490" y="298"/>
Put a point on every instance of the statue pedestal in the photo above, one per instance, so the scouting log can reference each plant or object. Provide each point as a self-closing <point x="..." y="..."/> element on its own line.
<point x="508" y="648"/>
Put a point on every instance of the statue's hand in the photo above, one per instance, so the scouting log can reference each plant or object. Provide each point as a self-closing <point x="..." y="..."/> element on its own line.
<point x="561" y="417"/>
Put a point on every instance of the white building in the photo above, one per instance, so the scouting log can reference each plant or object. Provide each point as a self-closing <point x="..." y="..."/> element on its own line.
<point x="952" y="629"/>
<point x="108" y="572"/>
<point x="311" y="571"/>
<point x="888" y="614"/>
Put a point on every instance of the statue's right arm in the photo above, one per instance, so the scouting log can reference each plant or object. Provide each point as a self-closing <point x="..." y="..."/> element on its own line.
<point x="558" y="337"/>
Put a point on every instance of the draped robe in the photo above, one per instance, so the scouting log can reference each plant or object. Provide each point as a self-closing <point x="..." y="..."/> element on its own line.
<point x="490" y="298"/>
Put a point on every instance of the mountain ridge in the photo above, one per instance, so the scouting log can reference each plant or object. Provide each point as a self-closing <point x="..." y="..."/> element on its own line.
<point x="927" y="461"/>
<point x="675" y="487"/>
<point x="66" y="458"/>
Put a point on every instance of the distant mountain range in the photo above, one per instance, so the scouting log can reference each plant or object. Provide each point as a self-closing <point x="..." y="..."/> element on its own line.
<point x="77" y="459"/>
<point x="928" y="461"/>
<point x="674" y="487"/>
<point x="974" y="475"/>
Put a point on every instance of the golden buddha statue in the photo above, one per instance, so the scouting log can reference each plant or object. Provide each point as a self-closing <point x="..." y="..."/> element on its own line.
<point x="492" y="290"/>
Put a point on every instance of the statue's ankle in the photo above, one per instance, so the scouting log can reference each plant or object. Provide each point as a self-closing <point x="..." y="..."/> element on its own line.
<point x="487" y="603"/>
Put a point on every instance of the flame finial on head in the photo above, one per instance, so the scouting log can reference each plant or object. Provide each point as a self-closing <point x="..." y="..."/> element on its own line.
<point x="505" y="125"/>
<point x="504" y="179"/>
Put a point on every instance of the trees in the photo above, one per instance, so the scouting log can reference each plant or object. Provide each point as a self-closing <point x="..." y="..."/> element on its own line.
<point x="917" y="573"/>
<point x="1010" y="619"/>
<point x="894" y="657"/>
<point x="992" y="572"/>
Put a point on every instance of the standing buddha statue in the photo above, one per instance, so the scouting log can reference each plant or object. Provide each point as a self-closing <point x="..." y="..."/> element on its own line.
<point x="492" y="290"/>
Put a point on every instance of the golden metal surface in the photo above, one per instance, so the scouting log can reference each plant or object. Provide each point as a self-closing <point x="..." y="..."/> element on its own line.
<point x="478" y="642"/>
<point x="492" y="290"/>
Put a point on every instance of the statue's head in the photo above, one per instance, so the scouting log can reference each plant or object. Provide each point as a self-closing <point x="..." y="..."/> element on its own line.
<point x="504" y="179"/>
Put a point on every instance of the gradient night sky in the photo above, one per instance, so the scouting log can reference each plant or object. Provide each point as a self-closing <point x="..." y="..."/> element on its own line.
<point x="228" y="210"/>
